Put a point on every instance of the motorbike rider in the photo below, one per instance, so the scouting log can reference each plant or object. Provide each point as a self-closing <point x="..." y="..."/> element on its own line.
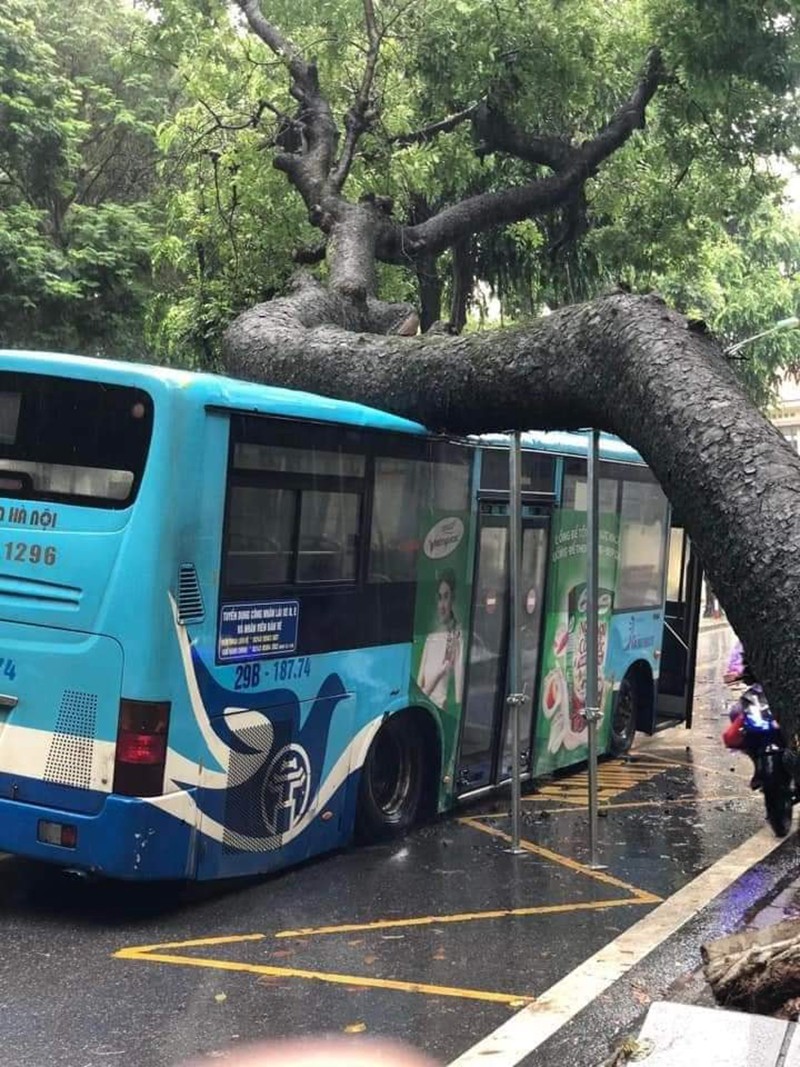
<point x="735" y="735"/>
<point x="736" y="664"/>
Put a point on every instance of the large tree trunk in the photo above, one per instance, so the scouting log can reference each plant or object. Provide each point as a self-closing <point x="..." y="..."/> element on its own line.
<point x="624" y="364"/>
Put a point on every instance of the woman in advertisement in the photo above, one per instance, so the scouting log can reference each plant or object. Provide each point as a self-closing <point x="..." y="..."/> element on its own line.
<point x="443" y="654"/>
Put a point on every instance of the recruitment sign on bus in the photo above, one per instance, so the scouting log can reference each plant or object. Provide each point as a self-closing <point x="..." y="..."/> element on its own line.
<point x="250" y="631"/>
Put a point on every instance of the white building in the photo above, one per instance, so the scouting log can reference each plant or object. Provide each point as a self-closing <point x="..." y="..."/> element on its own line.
<point x="786" y="415"/>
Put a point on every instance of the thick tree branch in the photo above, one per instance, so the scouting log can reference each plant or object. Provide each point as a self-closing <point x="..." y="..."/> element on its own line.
<point x="427" y="133"/>
<point x="310" y="254"/>
<point x="359" y="116"/>
<point x="496" y="134"/>
<point x="624" y="364"/>
<point x="487" y="210"/>
<point x="308" y="169"/>
<point x="283" y="48"/>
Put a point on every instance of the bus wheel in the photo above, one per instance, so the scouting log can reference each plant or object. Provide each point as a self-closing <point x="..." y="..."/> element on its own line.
<point x="623" y="721"/>
<point x="392" y="780"/>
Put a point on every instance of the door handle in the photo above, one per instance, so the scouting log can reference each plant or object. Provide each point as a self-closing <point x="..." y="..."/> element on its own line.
<point x="8" y="701"/>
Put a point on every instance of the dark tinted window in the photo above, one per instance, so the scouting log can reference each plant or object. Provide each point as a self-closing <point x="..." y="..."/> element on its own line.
<point x="71" y="440"/>
<point x="294" y="513"/>
<point x="537" y="470"/>
<point x="261" y="522"/>
<point x="402" y="487"/>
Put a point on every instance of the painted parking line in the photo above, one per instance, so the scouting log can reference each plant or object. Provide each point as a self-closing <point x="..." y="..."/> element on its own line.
<point x="176" y="952"/>
<point x="521" y="1035"/>
<point x="463" y="917"/>
<point x="638" y="896"/>
<point x="613" y="778"/>
<point x="159" y="954"/>
<point x="684" y="798"/>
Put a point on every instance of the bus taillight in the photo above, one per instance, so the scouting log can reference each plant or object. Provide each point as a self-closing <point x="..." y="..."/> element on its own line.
<point x="141" y="748"/>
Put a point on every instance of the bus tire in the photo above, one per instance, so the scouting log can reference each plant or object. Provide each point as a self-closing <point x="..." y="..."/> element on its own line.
<point x="624" y="717"/>
<point x="392" y="782"/>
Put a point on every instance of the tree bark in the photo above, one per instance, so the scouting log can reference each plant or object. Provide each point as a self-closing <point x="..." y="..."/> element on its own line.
<point x="463" y="275"/>
<point x="430" y="287"/>
<point x="624" y="364"/>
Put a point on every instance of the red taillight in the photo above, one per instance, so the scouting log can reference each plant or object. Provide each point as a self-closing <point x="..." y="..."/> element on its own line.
<point x="141" y="748"/>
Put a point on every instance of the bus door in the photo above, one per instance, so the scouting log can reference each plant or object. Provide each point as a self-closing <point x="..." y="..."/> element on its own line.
<point x="485" y="755"/>
<point x="681" y="621"/>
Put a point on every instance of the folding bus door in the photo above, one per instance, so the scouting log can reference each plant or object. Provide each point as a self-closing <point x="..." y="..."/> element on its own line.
<point x="485" y="755"/>
<point x="681" y="619"/>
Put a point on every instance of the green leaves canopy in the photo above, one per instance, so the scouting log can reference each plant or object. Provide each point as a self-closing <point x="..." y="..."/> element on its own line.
<point x="79" y="106"/>
<point x="138" y="204"/>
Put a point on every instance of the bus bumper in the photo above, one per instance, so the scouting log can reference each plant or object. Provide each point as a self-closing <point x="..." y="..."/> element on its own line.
<point x="128" y="838"/>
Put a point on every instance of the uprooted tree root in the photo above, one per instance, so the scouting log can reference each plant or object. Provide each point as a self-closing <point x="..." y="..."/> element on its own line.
<point x="757" y="970"/>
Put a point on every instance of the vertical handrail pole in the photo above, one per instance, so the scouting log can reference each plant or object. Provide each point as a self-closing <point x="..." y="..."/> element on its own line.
<point x="515" y="697"/>
<point x="592" y="604"/>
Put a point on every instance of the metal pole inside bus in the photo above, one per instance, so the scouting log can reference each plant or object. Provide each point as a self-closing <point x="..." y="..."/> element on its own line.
<point x="515" y="696"/>
<point x="592" y="710"/>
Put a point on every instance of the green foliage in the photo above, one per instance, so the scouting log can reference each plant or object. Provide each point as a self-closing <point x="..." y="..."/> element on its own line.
<point x="79" y="107"/>
<point x="679" y="208"/>
<point x="139" y="207"/>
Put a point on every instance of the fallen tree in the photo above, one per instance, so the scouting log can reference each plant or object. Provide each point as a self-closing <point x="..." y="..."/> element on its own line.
<point x="622" y="363"/>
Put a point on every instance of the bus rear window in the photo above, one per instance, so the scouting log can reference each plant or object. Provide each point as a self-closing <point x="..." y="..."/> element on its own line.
<point x="63" y="439"/>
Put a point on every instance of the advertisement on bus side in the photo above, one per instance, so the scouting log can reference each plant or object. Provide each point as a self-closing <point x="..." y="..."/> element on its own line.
<point x="561" y="733"/>
<point x="441" y="620"/>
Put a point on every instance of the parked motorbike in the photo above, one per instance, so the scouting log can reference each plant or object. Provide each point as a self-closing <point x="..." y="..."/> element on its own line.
<point x="754" y="730"/>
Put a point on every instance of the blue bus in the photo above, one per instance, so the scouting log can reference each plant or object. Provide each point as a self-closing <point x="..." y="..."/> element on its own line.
<point x="240" y="625"/>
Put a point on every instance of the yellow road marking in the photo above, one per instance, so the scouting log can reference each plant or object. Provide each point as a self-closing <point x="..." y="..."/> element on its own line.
<point x="157" y="953"/>
<point x="151" y="954"/>
<point x="693" y="766"/>
<point x="630" y="804"/>
<point x="613" y="778"/>
<point x="437" y="920"/>
<point x="200" y="942"/>
<point x="640" y="895"/>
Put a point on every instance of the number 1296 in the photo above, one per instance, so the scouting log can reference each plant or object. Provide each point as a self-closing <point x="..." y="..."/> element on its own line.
<point x="22" y="552"/>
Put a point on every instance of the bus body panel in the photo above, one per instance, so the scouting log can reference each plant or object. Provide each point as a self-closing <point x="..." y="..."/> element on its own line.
<point x="62" y="730"/>
<point x="264" y="753"/>
<point x="127" y="839"/>
<point x="288" y="753"/>
<point x="634" y="636"/>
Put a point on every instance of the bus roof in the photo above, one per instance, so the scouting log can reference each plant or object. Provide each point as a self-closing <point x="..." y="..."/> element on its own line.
<point x="565" y="443"/>
<point x="214" y="390"/>
<point x="211" y="390"/>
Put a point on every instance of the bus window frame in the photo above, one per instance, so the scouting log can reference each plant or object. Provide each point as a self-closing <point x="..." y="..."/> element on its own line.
<point x="133" y="394"/>
<point x="308" y="434"/>
<point x="621" y="472"/>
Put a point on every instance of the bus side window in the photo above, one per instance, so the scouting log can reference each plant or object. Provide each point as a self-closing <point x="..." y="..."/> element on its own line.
<point x="261" y="528"/>
<point x="643" y="523"/>
<point x="402" y="488"/>
<point x="294" y="510"/>
<point x="328" y="543"/>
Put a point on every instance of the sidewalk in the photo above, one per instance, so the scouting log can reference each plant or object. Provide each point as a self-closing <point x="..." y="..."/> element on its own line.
<point x="713" y="622"/>
<point x="756" y="884"/>
<point x="675" y="1035"/>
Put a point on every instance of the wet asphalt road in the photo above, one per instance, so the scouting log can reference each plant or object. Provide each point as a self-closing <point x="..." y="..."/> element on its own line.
<point x="436" y="940"/>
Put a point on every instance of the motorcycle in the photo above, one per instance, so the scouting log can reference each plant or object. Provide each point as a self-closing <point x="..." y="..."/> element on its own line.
<point x="754" y="730"/>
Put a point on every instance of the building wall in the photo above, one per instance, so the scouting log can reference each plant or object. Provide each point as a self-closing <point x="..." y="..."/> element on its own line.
<point x="786" y="415"/>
